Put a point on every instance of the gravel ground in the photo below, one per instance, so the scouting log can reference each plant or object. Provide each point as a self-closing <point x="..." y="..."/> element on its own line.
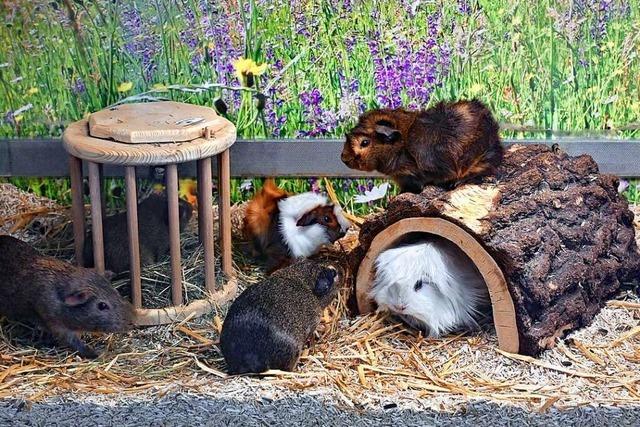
<point x="188" y="409"/>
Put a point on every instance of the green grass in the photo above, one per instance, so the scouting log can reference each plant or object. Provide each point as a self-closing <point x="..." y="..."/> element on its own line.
<point x="542" y="75"/>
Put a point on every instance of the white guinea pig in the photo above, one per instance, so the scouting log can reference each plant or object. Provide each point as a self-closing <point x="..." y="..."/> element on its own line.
<point x="432" y="285"/>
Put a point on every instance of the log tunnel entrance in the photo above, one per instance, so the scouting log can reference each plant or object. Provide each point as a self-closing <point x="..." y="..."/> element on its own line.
<point x="504" y="316"/>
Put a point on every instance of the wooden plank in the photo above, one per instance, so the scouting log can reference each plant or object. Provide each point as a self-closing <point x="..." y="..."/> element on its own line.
<point x="294" y="157"/>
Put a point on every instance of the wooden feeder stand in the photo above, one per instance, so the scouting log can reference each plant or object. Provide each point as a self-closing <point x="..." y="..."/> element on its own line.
<point x="150" y="134"/>
<point x="551" y="237"/>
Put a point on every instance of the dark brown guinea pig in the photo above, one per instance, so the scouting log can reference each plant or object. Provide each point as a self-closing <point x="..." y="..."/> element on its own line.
<point x="65" y="299"/>
<point x="448" y="144"/>
<point x="268" y="325"/>
<point x="153" y="232"/>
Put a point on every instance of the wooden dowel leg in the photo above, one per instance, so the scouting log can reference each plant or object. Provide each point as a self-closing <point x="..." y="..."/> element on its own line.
<point x="174" y="234"/>
<point x="77" y="207"/>
<point x="103" y="193"/>
<point x="96" y="217"/>
<point x="205" y="222"/>
<point x="132" y="229"/>
<point x="224" y="211"/>
<point x="201" y="180"/>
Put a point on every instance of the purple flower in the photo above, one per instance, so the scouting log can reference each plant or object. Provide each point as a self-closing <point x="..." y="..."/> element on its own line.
<point x="78" y="87"/>
<point x="9" y="118"/>
<point x="274" y="117"/>
<point x="190" y="39"/>
<point x="140" y="40"/>
<point x="312" y="98"/>
<point x="464" y="7"/>
<point x="603" y="13"/>
<point x="321" y="121"/>
<point x="315" y="184"/>
<point x="411" y="70"/>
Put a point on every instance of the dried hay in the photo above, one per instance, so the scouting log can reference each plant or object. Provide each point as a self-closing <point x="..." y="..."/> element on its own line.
<point x="357" y="361"/>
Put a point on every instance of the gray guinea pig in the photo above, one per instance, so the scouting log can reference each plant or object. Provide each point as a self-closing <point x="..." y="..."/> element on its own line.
<point x="269" y="323"/>
<point x="65" y="299"/>
<point x="153" y="232"/>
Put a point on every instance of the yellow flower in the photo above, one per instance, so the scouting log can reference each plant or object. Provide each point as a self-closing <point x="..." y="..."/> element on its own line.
<point x="516" y="21"/>
<point x="159" y="87"/>
<point x="18" y="118"/>
<point x="158" y="187"/>
<point x="188" y="190"/>
<point x="125" y="87"/>
<point x="476" y="88"/>
<point x="210" y="45"/>
<point x="32" y="90"/>
<point x="246" y="66"/>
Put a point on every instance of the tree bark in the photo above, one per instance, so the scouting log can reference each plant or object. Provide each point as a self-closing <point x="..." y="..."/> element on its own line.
<point x="557" y="228"/>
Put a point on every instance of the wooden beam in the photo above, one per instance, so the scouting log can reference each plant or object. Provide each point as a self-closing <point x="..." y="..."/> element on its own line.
<point x="293" y="157"/>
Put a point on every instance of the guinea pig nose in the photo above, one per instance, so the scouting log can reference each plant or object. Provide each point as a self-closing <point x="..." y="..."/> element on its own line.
<point x="400" y="307"/>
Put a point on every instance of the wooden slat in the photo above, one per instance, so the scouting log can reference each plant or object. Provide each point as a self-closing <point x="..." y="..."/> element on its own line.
<point x="46" y="157"/>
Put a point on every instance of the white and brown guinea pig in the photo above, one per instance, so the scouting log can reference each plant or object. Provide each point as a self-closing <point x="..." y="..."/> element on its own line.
<point x="281" y="226"/>
<point x="431" y="285"/>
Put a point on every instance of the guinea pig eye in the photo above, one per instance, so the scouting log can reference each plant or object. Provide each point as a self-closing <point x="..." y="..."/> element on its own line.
<point x="418" y="285"/>
<point x="102" y="306"/>
<point x="326" y="219"/>
<point x="365" y="143"/>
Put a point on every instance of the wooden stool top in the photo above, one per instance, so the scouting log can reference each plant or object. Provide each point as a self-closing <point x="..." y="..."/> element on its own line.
<point x="150" y="122"/>
<point x="155" y="133"/>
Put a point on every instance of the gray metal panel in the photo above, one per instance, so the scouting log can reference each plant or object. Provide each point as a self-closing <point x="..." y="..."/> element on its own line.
<point x="314" y="157"/>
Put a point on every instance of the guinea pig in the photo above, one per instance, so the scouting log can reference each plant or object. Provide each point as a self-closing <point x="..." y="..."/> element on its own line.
<point x="448" y="144"/>
<point x="153" y="234"/>
<point x="281" y="226"/>
<point x="431" y="285"/>
<point x="268" y="325"/>
<point x="64" y="299"/>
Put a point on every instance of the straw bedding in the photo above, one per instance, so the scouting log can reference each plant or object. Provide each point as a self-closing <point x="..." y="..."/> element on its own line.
<point x="356" y="363"/>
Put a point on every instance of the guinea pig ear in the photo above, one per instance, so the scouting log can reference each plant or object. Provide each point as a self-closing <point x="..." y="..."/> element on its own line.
<point x="308" y="218"/>
<point x="324" y="282"/>
<point x="76" y="298"/>
<point x="386" y="131"/>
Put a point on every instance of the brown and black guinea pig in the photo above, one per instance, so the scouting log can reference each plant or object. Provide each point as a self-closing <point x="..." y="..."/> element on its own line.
<point x="282" y="226"/>
<point x="448" y="144"/>
<point x="63" y="299"/>
<point x="268" y="325"/>
<point x="153" y="233"/>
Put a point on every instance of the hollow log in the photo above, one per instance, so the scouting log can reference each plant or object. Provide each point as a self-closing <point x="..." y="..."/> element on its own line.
<point x="560" y="237"/>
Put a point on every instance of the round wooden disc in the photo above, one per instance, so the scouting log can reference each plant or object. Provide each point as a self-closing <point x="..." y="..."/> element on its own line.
<point x="504" y="315"/>
<point x="153" y="122"/>
<point x="79" y="143"/>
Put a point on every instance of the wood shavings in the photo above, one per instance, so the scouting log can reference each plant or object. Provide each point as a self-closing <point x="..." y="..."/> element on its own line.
<point x="361" y="360"/>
